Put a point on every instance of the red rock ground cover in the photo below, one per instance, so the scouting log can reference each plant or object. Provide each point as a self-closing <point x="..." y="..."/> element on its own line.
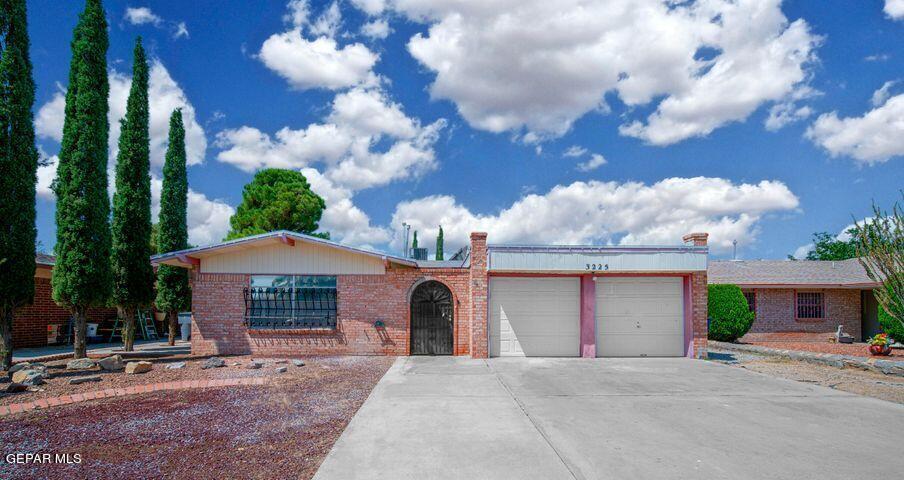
<point x="282" y="430"/>
<point x="853" y="349"/>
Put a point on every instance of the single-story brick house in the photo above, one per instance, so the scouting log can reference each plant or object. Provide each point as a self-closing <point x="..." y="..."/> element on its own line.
<point x="284" y="293"/>
<point x="803" y="300"/>
<point x="33" y="324"/>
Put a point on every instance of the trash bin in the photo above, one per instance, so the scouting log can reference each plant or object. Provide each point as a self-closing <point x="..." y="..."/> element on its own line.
<point x="92" y="329"/>
<point x="185" y="325"/>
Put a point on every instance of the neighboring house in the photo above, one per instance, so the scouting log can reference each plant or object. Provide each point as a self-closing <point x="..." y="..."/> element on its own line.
<point x="285" y="293"/>
<point x="803" y="300"/>
<point x="33" y="324"/>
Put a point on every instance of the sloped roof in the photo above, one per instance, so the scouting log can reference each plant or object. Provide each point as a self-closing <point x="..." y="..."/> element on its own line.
<point x="45" y="259"/>
<point x="181" y="257"/>
<point x="775" y="273"/>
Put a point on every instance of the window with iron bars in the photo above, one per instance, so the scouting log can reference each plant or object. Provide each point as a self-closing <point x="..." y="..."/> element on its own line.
<point x="291" y="302"/>
<point x="810" y="305"/>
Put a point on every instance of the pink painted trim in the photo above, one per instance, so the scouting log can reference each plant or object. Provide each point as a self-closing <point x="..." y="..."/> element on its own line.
<point x="588" y="317"/>
<point x="688" y="317"/>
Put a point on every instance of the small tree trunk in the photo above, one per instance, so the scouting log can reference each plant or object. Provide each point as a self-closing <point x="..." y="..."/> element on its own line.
<point x="173" y="317"/>
<point x="6" y="331"/>
<point x="80" y="335"/>
<point x="128" y="329"/>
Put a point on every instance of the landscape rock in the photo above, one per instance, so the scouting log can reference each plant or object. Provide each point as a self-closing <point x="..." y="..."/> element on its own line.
<point x="254" y="365"/>
<point x="80" y="380"/>
<point x="139" y="367"/>
<point x="29" y="377"/>
<point x="213" y="362"/>
<point x="112" y="363"/>
<point x="281" y="369"/>
<point x="298" y="363"/>
<point x="80" y="364"/>
<point x="16" y="388"/>
<point x="281" y="362"/>
<point x="19" y="366"/>
<point x="175" y="366"/>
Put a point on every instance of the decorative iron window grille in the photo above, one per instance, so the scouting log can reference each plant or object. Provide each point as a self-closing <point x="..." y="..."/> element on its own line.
<point x="810" y="305"/>
<point x="292" y="307"/>
<point x="750" y="295"/>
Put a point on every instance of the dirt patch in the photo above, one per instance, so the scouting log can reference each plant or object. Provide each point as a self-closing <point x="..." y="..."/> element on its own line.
<point x="853" y="380"/>
<point x="853" y="349"/>
<point x="278" y="431"/>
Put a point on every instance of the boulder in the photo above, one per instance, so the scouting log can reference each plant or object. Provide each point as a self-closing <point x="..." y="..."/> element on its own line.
<point x="175" y="366"/>
<point x="112" y="363"/>
<point x="139" y="367"/>
<point x="213" y="362"/>
<point x="16" y="388"/>
<point x="297" y="362"/>
<point x="80" y="380"/>
<point x="281" y="369"/>
<point x="80" y="364"/>
<point x="29" y="377"/>
<point x="254" y="365"/>
<point x="19" y="366"/>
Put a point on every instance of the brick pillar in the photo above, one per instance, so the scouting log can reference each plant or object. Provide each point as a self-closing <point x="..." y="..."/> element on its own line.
<point x="698" y="239"/>
<point x="588" y="317"/>
<point x="478" y="284"/>
<point x="699" y="300"/>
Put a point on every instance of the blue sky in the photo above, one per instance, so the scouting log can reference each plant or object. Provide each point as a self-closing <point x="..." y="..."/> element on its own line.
<point x="759" y="121"/>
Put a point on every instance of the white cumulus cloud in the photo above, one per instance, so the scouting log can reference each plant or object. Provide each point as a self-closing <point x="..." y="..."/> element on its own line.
<point x="141" y="16"/>
<point x="365" y="141"/>
<point x="874" y="137"/>
<point x="537" y="66"/>
<point x="610" y="212"/>
<point x="596" y="160"/>
<point x="894" y="9"/>
<point x="376" y="29"/>
<point x="318" y="61"/>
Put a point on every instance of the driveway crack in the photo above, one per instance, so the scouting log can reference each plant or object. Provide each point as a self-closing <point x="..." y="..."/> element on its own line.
<point x="573" y="470"/>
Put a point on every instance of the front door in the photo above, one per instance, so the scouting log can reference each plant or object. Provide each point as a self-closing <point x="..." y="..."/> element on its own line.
<point x="431" y="319"/>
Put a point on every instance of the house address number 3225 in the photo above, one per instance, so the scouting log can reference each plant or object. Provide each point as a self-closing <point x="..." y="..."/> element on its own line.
<point x="597" y="266"/>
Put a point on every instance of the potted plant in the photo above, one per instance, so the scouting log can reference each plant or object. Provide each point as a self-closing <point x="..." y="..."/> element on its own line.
<point x="878" y="345"/>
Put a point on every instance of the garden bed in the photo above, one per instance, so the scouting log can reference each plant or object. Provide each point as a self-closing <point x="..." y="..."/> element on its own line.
<point x="852" y="349"/>
<point x="281" y="430"/>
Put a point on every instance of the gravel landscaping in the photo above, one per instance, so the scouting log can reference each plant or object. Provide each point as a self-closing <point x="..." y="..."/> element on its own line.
<point x="57" y="383"/>
<point x="853" y="380"/>
<point x="281" y="430"/>
<point x="852" y="349"/>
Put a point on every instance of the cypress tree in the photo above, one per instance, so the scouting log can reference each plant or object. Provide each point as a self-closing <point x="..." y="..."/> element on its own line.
<point x="173" y="292"/>
<point x="81" y="275"/>
<point x="133" y="276"/>
<point x="18" y="170"/>
<point x="414" y="241"/>
<point x="439" y="244"/>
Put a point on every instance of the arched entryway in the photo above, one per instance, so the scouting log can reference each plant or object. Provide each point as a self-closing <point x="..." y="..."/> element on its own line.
<point x="431" y="319"/>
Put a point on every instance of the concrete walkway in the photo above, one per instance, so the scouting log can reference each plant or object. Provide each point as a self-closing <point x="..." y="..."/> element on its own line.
<point x="455" y="418"/>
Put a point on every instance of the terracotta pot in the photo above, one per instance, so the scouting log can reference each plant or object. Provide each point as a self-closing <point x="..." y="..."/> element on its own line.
<point x="879" y="350"/>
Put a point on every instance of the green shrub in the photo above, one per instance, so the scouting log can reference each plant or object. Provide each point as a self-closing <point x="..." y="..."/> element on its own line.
<point x="729" y="315"/>
<point x="891" y="325"/>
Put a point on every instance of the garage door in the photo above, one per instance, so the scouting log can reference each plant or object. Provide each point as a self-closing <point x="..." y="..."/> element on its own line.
<point x="535" y="317"/>
<point x="640" y="317"/>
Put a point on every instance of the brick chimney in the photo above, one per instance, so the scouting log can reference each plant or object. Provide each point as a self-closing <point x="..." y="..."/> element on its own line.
<point x="697" y="238"/>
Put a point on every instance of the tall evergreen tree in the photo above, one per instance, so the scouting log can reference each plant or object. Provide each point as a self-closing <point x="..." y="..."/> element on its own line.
<point x="81" y="275"/>
<point x="414" y="241"/>
<point x="439" y="244"/>
<point x="173" y="292"/>
<point x="18" y="169"/>
<point x="133" y="276"/>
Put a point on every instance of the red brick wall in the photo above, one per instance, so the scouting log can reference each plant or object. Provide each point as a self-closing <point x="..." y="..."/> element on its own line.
<point x="30" y="322"/>
<point x="775" y="315"/>
<point x="218" y="308"/>
<point x="478" y="282"/>
<point x="699" y="308"/>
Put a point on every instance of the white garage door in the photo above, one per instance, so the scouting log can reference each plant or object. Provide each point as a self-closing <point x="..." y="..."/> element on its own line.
<point x="535" y="317"/>
<point x="639" y="317"/>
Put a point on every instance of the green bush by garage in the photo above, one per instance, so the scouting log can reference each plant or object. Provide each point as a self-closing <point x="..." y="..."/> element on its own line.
<point x="729" y="315"/>
<point x="891" y="325"/>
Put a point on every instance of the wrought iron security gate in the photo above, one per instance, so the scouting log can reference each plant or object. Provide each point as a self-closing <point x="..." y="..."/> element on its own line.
<point x="431" y="319"/>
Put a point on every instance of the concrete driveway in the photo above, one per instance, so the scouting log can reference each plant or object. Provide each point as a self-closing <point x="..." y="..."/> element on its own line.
<point x="457" y="418"/>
